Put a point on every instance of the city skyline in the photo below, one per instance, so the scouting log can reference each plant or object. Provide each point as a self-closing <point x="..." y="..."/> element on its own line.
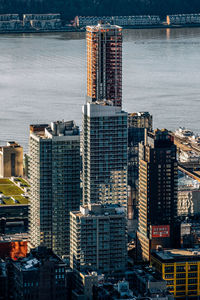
<point x="109" y="212"/>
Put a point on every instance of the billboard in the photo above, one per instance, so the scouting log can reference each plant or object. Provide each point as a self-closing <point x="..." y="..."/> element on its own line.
<point x="160" y="231"/>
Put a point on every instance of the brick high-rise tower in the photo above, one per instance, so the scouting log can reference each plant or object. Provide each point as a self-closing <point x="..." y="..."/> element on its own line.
<point x="104" y="63"/>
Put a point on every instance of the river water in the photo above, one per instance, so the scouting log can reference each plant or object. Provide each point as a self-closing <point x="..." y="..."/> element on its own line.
<point x="43" y="78"/>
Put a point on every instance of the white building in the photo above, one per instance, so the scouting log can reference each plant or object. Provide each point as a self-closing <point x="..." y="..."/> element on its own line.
<point x="98" y="238"/>
<point x="188" y="197"/>
<point x="54" y="161"/>
<point x="105" y="144"/>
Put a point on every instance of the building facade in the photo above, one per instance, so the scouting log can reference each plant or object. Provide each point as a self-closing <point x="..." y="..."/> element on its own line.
<point x="104" y="63"/>
<point x="98" y="238"/>
<point x="137" y="123"/>
<point x="180" y="269"/>
<point x="39" y="276"/>
<point x="104" y="154"/>
<point x="158" y="186"/>
<point x="54" y="161"/>
<point x="11" y="160"/>
<point x="188" y="196"/>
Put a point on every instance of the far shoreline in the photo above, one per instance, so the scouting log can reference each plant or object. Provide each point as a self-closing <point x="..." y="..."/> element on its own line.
<point x="78" y="30"/>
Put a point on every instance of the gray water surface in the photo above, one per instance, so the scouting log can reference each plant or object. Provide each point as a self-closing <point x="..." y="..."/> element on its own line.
<point x="43" y="78"/>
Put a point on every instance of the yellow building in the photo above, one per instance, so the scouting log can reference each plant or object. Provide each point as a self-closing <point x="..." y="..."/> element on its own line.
<point x="181" y="270"/>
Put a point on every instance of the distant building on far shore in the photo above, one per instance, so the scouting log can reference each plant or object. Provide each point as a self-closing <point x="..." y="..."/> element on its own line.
<point x="11" y="160"/>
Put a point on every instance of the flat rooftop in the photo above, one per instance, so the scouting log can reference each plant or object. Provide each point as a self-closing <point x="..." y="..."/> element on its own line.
<point x="17" y="237"/>
<point x="177" y="255"/>
<point x="13" y="192"/>
<point x="186" y="182"/>
<point x="105" y="26"/>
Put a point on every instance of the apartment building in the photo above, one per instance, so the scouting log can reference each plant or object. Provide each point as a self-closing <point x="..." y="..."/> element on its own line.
<point x="98" y="238"/>
<point x="54" y="160"/>
<point x="105" y="155"/>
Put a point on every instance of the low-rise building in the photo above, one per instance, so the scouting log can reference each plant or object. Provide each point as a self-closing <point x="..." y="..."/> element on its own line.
<point x="14" y="204"/>
<point x="180" y="269"/>
<point x="13" y="246"/>
<point x="188" y="196"/>
<point x="83" y="285"/>
<point x="190" y="233"/>
<point x="148" y="283"/>
<point x="183" y="19"/>
<point x="189" y="157"/>
<point x="182" y="132"/>
<point x="83" y="21"/>
<point x="42" y="21"/>
<point x="41" y="275"/>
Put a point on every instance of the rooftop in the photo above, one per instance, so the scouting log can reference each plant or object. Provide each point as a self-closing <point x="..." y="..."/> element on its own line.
<point x="103" y="27"/>
<point x="10" y="144"/>
<point x="55" y="129"/>
<point x="12" y="192"/>
<point x="185" y="182"/>
<point x="17" y="237"/>
<point x="180" y="255"/>
<point x="92" y="210"/>
<point x="148" y="273"/>
<point x="36" y="256"/>
<point x="139" y="114"/>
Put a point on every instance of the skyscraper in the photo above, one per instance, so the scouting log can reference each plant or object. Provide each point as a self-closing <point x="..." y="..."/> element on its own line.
<point x="137" y="123"/>
<point x="55" y="183"/>
<point x="104" y="63"/>
<point x="158" y="184"/>
<point x="104" y="154"/>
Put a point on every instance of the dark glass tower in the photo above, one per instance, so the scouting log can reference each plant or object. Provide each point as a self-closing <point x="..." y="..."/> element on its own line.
<point x="158" y="184"/>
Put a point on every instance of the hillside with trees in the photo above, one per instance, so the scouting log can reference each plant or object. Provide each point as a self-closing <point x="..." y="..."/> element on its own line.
<point x="70" y="8"/>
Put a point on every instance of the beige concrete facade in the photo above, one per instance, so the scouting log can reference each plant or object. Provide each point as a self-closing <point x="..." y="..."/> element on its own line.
<point x="11" y="160"/>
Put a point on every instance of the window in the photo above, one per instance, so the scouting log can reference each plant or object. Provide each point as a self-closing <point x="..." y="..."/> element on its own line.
<point x="192" y="281"/>
<point x="180" y="293"/>
<point x="192" y="287"/>
<point x="180" y="281"/>
<point x="180" y="269"/>
<point x="169" y="276"/>
<point x="180" y="288"/>
<point x="194" y="275"/>
<point x="193" y="267"/>
<point x="170" y="282"/>
<point x="181" y="275"/>
<point x="169" y="269"/>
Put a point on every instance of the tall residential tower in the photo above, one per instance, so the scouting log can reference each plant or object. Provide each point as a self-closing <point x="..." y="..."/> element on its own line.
<point x="104" y="63"/>
<point x="105" y="140"/>
<point x="55" y="183"/>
